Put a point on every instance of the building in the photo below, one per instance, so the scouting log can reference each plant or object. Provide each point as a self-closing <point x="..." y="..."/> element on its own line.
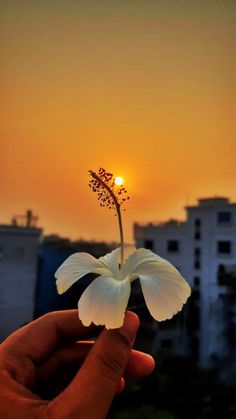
<point x="19" y="247"/>
<point x="203" y="248"/>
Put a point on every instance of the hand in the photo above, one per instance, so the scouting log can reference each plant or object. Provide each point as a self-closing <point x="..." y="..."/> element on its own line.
<point x="39" y="368"/>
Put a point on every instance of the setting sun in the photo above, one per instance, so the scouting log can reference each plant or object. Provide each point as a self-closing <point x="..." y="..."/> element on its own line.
<point x="119" y="181"/>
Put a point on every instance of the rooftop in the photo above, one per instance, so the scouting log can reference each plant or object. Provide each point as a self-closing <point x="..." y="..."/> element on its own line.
<point x="217" y="200"/>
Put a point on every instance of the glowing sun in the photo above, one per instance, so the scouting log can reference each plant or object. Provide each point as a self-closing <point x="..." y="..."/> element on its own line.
<point x="119" y="181"/>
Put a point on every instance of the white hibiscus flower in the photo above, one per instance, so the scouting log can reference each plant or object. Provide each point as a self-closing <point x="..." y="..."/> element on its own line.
<point x="105" y="300"/>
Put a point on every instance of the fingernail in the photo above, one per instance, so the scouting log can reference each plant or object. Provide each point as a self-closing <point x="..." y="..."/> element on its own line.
<point x="130" y="326"/>
<point x="121" y="386"/>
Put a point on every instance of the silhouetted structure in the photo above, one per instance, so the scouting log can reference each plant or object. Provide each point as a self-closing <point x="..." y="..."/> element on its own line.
<point x="203" y="248"/>
<point x="19" y="247"/>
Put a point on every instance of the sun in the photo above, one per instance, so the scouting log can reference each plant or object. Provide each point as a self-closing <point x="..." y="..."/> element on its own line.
<point x="119" y="181"/>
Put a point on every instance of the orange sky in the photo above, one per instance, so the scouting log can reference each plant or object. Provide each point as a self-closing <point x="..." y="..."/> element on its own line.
<point x="145" y="89"/>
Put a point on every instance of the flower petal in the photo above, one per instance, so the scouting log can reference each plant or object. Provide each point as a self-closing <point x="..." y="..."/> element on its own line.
<point x="104" y="302"/>
<point x="139" y="256"/>
<point x="165" y="291"/>
<point x="74" y="268"/>
<point x="112" y="260"/>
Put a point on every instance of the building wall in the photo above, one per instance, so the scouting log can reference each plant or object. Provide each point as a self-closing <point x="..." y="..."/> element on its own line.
<point x="170" y="241"/>
<point x="18" y="273"/>
<point x="212" y="322"/>
<point x="198" y="258"/>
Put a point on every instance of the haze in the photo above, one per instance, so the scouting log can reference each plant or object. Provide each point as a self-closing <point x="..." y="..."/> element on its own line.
<point x="145" y="89"/>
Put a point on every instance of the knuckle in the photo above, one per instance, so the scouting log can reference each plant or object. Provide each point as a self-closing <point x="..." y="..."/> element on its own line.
<point x="112" y="363"/>
<point x="49" y="316"/>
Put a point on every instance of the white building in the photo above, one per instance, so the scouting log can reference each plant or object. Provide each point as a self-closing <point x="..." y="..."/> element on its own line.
<point x="18" y="273"/>
<point x="203" y="248"/>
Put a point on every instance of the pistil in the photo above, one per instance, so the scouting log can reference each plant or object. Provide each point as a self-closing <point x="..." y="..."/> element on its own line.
<point x="104" y="184"/>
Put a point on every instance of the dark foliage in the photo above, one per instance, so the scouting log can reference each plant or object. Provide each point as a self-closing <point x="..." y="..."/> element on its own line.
<point x="176" y="390"/>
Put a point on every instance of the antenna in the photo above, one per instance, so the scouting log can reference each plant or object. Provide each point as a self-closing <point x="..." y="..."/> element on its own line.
<point x="28" y="220"/>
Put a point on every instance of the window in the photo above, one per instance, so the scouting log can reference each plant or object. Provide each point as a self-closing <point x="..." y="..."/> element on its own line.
<point x="197" y="222"/>
<point x="149" y="244"/>
<point x="196" y="281"/>
<point x="172" y="246"/>
<point x="224" y="247"/>
<point x="197" y="251"/>
<point x="197" y="256"/>
<point x="197" y="264"/>
<point x="195" y="295"/>
<point x="224" y="217"/>
<point x="197" y="235"/>
<point x="197" y="229"/>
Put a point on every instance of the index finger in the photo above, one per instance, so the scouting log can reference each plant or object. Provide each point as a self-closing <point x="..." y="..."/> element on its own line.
<point x="41" y="337"/>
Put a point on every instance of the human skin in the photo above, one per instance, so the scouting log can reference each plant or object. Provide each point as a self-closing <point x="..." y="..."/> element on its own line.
<point x="49" y="370"/>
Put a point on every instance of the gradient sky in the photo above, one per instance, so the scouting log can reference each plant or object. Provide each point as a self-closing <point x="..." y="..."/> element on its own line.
<point x="145" y="89"/>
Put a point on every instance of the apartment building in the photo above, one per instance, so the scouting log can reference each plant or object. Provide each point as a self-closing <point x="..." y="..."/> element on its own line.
<point x="203" y="248"/>
<point x="19" y="246"/>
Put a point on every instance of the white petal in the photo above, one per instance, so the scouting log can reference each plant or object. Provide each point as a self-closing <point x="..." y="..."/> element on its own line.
<point x="104" y="302"/>
<point x="112" y="260"/>
<point x="74" y="267"/>
<point x="165" y="290"/>
<point x="128" y="250"/>
<point x="165" y="293"/>
<point x="139" y="256"/>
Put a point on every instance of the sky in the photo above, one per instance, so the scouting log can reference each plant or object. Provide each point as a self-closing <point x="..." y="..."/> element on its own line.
<point x="145" y="89"/>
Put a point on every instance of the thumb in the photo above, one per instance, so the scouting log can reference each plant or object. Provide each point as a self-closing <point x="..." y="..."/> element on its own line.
<point x="91" y="392"/>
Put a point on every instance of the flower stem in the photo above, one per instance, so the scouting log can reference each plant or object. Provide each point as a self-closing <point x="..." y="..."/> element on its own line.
<point x="117" y="205"/>
<point x="121" y="236"/>
<point x="137" y="307"/>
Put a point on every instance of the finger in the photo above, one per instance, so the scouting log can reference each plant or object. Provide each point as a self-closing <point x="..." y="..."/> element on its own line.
<point x="59" y="370"/>
<point x="40" y="337"/>
<point x="121" y="386"/>
<point x="100" y="373"/>
<point x="73" y="354"/>
<point x="32" y="344"/>
<point x="140" y="364"/>
<point x="57" y="373"/>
